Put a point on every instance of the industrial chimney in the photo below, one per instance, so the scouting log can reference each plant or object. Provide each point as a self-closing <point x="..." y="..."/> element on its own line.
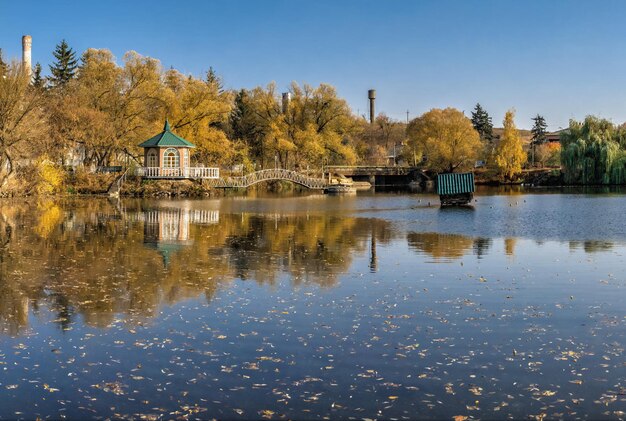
<point x="371" y="94"/>
<point x="286" y="100"/>
<point x="27" y="42"/>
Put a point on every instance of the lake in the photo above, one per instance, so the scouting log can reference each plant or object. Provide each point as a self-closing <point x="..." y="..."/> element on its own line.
<point x="369" y="306"/>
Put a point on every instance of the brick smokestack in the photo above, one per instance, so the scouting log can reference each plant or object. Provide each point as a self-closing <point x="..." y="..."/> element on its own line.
<point x="27" y="42"/>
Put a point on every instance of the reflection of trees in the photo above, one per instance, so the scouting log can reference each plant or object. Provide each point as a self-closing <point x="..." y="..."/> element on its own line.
<point x="481" y="246"/>
<point x="440" y="246"/>
<point x="591" y="246"/>
<point x="83" y="258"/>
<point x="509" y="246"/>
<point x="447" y="246"/>
<point x="311" y="249"/>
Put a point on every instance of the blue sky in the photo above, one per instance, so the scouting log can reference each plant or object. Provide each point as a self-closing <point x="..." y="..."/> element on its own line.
<point x="562" y="59"/>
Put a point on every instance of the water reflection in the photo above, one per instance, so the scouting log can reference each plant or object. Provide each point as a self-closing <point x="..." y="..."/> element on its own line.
<point x="98" y="260"/>
<point x="591" y="246"/>
<point x="167" y="230"/>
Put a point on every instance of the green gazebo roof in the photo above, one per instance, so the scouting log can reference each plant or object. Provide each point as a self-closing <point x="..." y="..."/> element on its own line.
<point x="166" y="138"/>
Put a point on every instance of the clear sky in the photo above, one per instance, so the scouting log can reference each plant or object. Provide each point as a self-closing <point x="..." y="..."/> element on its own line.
<point x="562" y="59"/>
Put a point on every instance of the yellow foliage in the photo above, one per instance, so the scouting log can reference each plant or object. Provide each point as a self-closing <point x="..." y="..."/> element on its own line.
<point x="509" y="155"/>
<point x="51" y="177"/>
<point x="447" y="138"/>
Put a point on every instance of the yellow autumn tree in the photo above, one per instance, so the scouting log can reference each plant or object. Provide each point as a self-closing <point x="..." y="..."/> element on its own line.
<point x="509" y="154"/>
<point x="447" y="139"/>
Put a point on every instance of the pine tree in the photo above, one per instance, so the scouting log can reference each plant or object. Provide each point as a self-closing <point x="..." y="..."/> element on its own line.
<point x="482" y="123"/>
<point x="38" y="81"/>
<point x="539" y="133"/>
<point x="213" y="79"/>
<point x="64" y="69"/>
<point x="539" y="130"/>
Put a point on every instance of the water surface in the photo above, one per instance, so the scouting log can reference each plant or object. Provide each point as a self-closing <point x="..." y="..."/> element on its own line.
<point x="369" y="306"/>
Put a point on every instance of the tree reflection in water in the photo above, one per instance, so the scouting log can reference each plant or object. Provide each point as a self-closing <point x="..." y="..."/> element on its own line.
<point x="100" y="261"/>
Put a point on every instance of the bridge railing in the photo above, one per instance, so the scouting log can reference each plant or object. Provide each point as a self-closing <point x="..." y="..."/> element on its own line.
<point x="189" y="172"/>
<point x="266" y="175"/>
<point x="212" y="176"/>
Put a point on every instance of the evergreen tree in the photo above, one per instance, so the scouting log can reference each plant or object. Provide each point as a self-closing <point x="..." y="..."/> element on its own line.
<point x="38" y="81"/>
<point x="482" y="123"/>
<point x="539" y="130"/>
<point x="213" y="79"/>
<point x="64" y="69"/>
<point x="539" y="133"/>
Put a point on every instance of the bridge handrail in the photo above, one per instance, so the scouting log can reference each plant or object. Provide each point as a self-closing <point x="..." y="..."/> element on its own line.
<point x="269" y="174"/>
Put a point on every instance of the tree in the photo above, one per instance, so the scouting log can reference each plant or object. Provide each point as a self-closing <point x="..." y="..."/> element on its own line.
<point x="592" y="152"/>
<point x="214" y="80"/>
<point x="539" y="130"/>
<point x="548" y="154"/>
<point x="538" y="133"/>
<point x="3" y="65"/>
<point x="38" y="81"/>
<point x="22" y="121"/>
<point x="509" y="154"/>
<point x="389" y="133"/>
<point x="65" y="66"/>
<point x="447" y="139"/>
<point x="482" y="123"/>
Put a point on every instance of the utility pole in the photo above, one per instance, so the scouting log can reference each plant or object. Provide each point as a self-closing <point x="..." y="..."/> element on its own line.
<point x="407" y="117"/>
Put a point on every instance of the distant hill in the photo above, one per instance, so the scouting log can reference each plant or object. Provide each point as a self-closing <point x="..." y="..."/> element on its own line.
<point x="525" y="134"/>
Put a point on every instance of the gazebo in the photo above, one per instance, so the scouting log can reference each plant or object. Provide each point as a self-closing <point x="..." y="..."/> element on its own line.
<point x="166" y="155"/>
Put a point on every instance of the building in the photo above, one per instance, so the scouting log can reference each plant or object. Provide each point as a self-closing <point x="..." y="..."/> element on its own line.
<point x="167" y="155"/>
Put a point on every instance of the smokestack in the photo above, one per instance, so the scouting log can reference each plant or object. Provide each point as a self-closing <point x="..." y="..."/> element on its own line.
<point x="286" y="100"/>
<point x="371" y="94"/>
<point x="27" y="42"/>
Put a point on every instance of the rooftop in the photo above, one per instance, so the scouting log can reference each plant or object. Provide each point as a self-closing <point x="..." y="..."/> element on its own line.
<point x="166" y="138"/>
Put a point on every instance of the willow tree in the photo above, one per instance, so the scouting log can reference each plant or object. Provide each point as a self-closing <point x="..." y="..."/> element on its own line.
<point x="447" y="139"/>
<point x="509" y="154"/>
<point x="592" y="152"/>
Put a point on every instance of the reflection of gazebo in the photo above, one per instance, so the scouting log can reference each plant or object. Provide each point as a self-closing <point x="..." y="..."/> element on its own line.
<point x="166" y="155"/>
<point x="166" y="231"/>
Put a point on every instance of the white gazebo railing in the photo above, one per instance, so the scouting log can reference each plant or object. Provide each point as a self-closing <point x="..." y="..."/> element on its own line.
<point x="189" y="172"/>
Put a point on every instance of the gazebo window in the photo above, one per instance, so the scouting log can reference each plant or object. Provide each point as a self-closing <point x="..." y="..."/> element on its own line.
<point x="152" y="158"/>
<point x="186" y="157"/>
<point x="171" y="158"/>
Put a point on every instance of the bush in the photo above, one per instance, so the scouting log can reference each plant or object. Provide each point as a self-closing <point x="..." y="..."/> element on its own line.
<point x="50" y="177"/>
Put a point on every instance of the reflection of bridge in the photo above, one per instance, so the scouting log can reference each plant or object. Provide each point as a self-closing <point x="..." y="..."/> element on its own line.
<point x="267" y="175"/>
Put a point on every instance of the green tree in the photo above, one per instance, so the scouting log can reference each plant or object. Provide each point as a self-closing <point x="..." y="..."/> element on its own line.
<point x="38" y="81"/>
<point x="538" y="134"/>
<point x="65" y="67"/>
<point x="482" y="123"/>
<point x="447" y="139"/>
<point x="539" y="130"/>
<point x="509" y="154"/>
<point x="592" y="152"/>
<point x="214" y="80"/>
